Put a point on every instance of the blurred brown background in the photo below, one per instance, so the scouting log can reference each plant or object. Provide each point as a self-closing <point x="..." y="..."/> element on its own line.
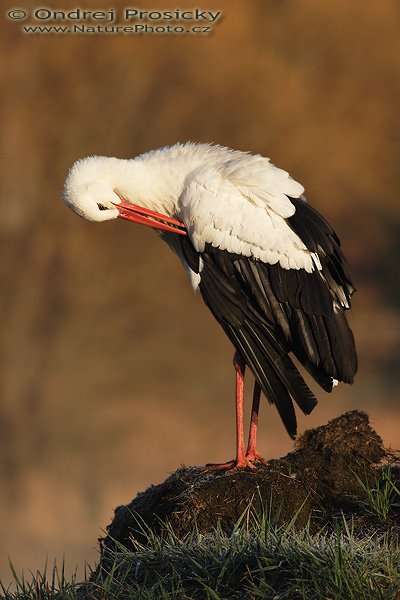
<point x="112" y="372"/>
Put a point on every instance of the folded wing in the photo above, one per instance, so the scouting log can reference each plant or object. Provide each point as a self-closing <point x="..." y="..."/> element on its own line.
<point x="273" y="274"/>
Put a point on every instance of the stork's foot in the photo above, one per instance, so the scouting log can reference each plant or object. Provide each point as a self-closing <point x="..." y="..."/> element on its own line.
<point x="236" y="464"/>
<point x="255" y="457"/>
<point x="232" y="465"/>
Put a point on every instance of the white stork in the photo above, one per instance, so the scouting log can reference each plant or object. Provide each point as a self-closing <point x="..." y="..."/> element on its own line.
<point x="269" y="267"/>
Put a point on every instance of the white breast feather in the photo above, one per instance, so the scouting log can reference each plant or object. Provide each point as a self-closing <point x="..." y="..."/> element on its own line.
<point x="241" y="206"/>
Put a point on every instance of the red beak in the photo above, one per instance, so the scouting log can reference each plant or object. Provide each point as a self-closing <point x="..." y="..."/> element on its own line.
<point x="144" y="216"/>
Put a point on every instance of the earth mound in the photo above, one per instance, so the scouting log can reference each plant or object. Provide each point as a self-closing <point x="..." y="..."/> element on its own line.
<point x="326" y="475"/>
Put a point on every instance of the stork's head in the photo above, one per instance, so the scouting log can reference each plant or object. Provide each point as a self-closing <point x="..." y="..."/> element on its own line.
<point x="100" y="188"/>
<point x="89" y="189"/>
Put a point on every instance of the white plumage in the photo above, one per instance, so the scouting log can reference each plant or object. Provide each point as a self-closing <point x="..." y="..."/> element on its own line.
<point x="233" y="200"/>
<point x="224" y="207"/>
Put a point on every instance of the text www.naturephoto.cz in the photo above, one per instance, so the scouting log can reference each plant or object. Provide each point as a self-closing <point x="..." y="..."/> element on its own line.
<point x="115" y="29"/>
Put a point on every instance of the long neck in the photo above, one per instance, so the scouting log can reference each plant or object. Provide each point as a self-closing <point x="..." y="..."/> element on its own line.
<point x="155" y="180"/>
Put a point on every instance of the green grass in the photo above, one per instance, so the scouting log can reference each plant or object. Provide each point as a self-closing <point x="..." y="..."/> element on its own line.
<point x="41" y="586"/>
<point x="382" y="496"/>
<point x="258" y="560"/>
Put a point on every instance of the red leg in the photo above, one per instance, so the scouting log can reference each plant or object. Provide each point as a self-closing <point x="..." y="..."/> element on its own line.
<point x="241" y="459"/>
<point x="240" y="367"/>
<point x="251" y="452"/>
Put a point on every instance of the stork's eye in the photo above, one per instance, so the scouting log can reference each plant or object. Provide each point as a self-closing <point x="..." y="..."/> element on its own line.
<point x="101" y="206"/>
